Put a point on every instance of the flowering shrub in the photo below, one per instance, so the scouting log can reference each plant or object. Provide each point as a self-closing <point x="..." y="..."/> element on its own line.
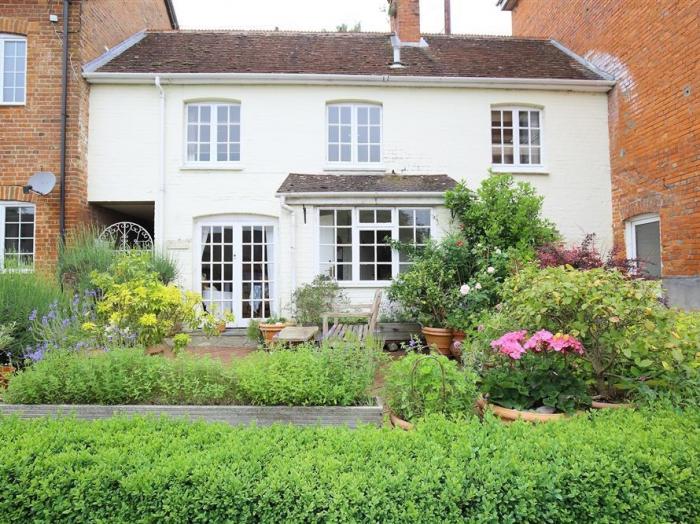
<point x="539" y="371"/>
<point x="582" y="256"/>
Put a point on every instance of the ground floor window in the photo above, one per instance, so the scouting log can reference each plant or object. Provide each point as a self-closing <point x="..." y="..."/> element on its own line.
<point x="355" y="243"/>
<point x="643" y="239"/>
<point x="16" y="235"/>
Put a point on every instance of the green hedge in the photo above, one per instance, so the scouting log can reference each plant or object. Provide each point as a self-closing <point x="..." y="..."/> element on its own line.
<point x="611" y="467"/>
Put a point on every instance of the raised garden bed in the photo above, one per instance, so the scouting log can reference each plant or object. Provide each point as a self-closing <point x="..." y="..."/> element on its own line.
<point x="350" y="416"/>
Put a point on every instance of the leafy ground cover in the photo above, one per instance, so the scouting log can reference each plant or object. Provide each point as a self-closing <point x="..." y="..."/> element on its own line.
<point x="615" y="466"/>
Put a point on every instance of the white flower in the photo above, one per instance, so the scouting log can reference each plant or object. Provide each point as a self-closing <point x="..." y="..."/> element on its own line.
<point x="464" y="289"/>
<point x="497" y="251"/>
<point x="490" y="270"/>
<point x="477" y="286"/>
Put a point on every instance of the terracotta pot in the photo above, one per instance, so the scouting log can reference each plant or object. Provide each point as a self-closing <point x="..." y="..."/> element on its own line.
<point x="5" y="372"/>
<point x="221" y="327"/>
<point x="400" y="423"/>
<point x="270" y="330"/>
<point x="440" y="338"/>
<point x="456" y="346"/>
<point x="511" y="415"/>
<point x="596" y="404"/>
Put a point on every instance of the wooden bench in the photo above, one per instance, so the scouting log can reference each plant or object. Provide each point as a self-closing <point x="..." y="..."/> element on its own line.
<point x="359" y="331"/>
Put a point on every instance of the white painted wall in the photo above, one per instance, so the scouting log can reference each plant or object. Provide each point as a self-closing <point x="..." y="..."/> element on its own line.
<point x="426" y="130"/>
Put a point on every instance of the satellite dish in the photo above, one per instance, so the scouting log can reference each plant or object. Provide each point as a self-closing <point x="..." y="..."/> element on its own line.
<point x="41" y="183"/>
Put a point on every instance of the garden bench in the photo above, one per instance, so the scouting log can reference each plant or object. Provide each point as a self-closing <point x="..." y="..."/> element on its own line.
<point x="359" y="331"/>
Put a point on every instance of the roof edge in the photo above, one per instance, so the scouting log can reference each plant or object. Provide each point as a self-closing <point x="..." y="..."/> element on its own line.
<point x="550" y="84"/>
<point x="107" y="56"/>
<point x="586" y="63"/>
<point x="170" y="8"/>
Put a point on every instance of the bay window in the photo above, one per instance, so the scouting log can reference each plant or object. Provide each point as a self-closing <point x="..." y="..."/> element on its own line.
<point x="355" y="243"/>
<point x="16" y="235"/>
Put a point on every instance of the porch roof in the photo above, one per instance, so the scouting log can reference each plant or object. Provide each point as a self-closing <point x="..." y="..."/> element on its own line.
<point x="297" y="183"/>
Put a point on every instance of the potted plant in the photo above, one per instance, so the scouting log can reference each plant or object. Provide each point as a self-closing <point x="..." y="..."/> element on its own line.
<point x="5" y="339"/>
<point x="535" y="378"/>
<point x="418" y="385"/>
<point x="271" y="327"/>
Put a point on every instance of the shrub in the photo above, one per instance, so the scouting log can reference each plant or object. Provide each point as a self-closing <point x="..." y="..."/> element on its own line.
<point x="310" y="301"/>
<point x="611" y="467"/>
<point x="582" y="256"/>
<point x="24" y="296"/>
<point x="120" y="376"/>
<point x="339" y="373"/>
<point x="414" y="385"/>
<point x="602" y="308"/>
<point x="501" y="213"/>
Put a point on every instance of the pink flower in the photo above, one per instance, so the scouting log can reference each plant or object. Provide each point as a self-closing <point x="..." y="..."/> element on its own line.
<point x="465" y="289"/>
<point x="539" y="341"/>
<point x="510" y="344"/>
<point x="563" y="343"/>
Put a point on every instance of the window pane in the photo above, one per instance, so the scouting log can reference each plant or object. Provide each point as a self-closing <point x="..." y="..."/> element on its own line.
<point x="375" y="115"/>
<point x="374" y="134"/>
<point x="495" y="118"/>
<point x="406" y="235"/>
<point x="496" y="136"/>
<point x="405" y="217"/>
<point x="367" y="272"/>
<point x="648" y="244"/>
<point x="507" y="136"/>
<point x="422" y="235"/>
<point x="367" y="254"/>
<point x="524" y="119"/>
<point x="345" y="153"/>
<point x="496" y="156"/>
<point x="524" y="155"/>
<point x="344" y="217"/>
<point x="345" y="133"/>
<point x="367" y="237"/>
<point x="534" y="119"/>
<point x="362" y="153"/>
<point x="367" y="216"/>
<point x="535" y="137"/>
<point x="362" y="115"/>
<point x="374" y="154"/>
<point x="383" y="254"/>
<point x="333" y="112"/>
<point x="524" y="137"/>
<point x="422" y="217"/>
<point x="384" y="272"/>
<point x="508" y="155"/>
<point x="344" y="235"/>
<point x="192" y="113"/>
<point x="507" y="118"/>
<point x="326" y="235"/>
<point x="363" y="135"/>
<point x="333" y="153"/>
<point x="222" y="114"/>
<point x="327" y="254"/>
<point x="344" y="254"/>
<point x="333" y="134"/>
<point x="535" y="155"/>
<point x="344" y="272"/>
<point x="384" y="216"/>
<point x="235" y="133"/>
<point x="205" y="114"/>
<point x="345" y="114"/>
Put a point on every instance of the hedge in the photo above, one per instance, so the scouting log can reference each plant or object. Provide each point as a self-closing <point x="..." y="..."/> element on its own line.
<point x="607" y="467"/>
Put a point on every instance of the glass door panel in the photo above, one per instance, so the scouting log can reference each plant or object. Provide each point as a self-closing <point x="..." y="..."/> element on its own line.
<point x="256" y="272"/>
<point x="218" y="286"/>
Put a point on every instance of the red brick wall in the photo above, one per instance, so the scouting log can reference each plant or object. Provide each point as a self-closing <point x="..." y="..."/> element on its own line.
<point x="653" y="50"/>
<point x="405" y="20"/>
<point x="30" y="134"/>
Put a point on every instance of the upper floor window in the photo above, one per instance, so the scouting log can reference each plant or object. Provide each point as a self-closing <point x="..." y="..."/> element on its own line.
<point x="213" y="132"/>
<point x="16" y="235"/>
<point x="516" y="137"/>
<point x="13" y="69"/>
<point x="354" y="134"/>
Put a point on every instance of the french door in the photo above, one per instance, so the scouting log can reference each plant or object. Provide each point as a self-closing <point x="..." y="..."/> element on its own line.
<point x="237" y="269"/>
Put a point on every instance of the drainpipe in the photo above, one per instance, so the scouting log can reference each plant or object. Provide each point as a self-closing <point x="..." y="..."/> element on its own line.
<point x="160" y="204"/>
<point x="292" y="240"/>
<point x="64" y="115"/>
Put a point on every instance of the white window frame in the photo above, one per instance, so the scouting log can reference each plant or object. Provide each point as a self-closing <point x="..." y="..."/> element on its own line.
<point x="631" y="234"/>
<point x="3" y="208"/>
<point x="356" y="228"/>
<point x="8" y="37"/>
<point x="354" y="163"/>
<point x="212" y="163"/>
<point x="516" y="165"/>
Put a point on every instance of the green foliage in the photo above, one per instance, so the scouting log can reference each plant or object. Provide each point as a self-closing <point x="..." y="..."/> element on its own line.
<point x="501" y="213"/>
<point x="135" y="299"/>
<point x="121" y="376"/>
<point x="21" y="294"/>
<point x="180" y="342"/>
<point x="600" y="307"/>
<point x="617" y="466"/>
<point x="253" y="332"/>
<point x="414" y="385"/>
<point x="310" y="301"/>
<point x="339" y="373"/>
<point x="6" y="337"/>
<point x="80" y="254"/>
<point x="537" y="379"/>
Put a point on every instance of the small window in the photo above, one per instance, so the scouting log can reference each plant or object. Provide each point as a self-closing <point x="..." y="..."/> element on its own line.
<point x="643" y="239"/>
<point x="516" y="137"/>
<point x="355" y="243"/>
<point x="354" y="134"/>
<point x="13" y="69"/>
<point x="213" y="133"/>
<point x="16" y="236"/>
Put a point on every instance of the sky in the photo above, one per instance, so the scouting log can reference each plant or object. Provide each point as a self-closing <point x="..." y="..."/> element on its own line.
<point x="468" y="16"/>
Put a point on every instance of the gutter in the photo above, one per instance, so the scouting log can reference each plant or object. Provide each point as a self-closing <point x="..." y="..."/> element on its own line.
<point x="292" y="240"/>
<point x="64" y="123"/>
<point x="361" y="194"/>
<point x="160" y="233"/>
<point x="556" y="84"/>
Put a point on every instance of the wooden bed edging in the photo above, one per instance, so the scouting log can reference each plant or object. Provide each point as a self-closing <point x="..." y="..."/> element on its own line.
<point x="350" y="416"/>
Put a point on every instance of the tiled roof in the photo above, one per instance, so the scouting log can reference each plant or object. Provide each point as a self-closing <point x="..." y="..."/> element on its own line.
<point x="298" y="183"/>
<point x="346" y="53"/>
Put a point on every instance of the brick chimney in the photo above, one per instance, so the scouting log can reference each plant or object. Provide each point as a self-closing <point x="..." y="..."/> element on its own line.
<point x="405" y="20"/>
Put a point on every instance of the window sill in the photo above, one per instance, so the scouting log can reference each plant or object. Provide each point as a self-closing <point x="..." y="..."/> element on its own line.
<point x="13" y="104"/>
<point x="521" y="170"/>
<point x="367" y="284"/>
<point x="373" y="168"/>
<point x="212" y="167"/>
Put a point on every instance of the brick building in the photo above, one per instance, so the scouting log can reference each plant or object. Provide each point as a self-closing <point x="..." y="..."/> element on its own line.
<point x="31" y="66"/>
<point x="652" y="49"/>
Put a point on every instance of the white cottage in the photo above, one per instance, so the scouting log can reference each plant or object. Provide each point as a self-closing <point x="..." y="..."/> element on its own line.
<point x="262" y="159"/>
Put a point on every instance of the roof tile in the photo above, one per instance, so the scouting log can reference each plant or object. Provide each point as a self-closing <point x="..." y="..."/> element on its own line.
<point x="300" y="183"/>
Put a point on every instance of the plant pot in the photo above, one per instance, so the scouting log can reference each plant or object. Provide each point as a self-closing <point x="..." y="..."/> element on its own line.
<point x="269" y="331"/>
<point x="221" y="327"/>
<point x="596" y="404"/>
<point x="456" y="346"/>
<point x="5" y="372"/>
<point x="399" y="423"/>
<point x="441" y="338"/>
<point x="511" y="415"/>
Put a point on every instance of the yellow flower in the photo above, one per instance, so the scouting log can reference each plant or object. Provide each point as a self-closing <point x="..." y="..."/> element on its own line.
<point x="148" y="320"/>
<point x="88" y="326"/>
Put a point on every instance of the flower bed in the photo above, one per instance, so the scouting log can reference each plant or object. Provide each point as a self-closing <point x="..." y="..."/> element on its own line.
<point x="614" y="466"/>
